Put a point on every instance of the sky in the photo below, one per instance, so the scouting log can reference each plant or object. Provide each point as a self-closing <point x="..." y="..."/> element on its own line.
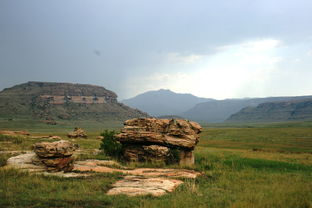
<point x="209" y="48"/>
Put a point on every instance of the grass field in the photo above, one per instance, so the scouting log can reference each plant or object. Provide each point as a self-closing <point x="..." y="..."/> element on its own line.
<point x="244" y="165"/>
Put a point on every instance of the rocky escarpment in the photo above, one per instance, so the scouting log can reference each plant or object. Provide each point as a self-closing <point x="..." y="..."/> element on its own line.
<point x="275" y="111"/>
<point x="53" y="101"/>
<point x="151" y="139"/>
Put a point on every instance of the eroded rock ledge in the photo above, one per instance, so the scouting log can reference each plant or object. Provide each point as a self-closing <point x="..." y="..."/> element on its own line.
<point x="151" y="139"/>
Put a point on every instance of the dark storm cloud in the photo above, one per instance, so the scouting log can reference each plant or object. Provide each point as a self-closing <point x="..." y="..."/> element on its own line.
<point x="106" y="42"/>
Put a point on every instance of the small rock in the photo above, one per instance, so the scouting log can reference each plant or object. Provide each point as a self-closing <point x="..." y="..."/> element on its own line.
<point x="77" y="133"/>
<point x="15" y="133"/>
<point x="100" y="137"/>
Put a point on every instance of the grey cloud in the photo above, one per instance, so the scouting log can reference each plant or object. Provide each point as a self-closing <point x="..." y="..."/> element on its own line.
<point x="56" y="40"/>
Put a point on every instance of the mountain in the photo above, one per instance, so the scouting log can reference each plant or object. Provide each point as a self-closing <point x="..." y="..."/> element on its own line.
<point x="164" y="102"/>
<point x="275" y="111"/>
<point x="57" y="101"/>
<point x="220" y="110"/>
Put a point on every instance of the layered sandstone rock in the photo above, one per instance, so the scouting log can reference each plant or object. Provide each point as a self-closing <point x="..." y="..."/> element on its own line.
<point x="151" y="139"/>
<point x="138" y="186"/>
<point x="56" y="156"/>
<point x="77" y="133"/>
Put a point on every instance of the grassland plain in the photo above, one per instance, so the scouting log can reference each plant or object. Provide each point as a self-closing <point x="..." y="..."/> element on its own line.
<point x="244" y="165"/>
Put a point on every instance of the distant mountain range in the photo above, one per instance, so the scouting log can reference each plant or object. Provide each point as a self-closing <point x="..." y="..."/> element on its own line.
<point x="221" y="110"/>
<point x="63" y="101"/>
<point x="275" y="111"/>
<point x="48" y="101"/>
<point x="165" y="102"/>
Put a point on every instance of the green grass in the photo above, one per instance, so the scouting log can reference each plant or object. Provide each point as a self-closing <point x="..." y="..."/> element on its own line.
<point x="260" y="165"/>
<point x="266" y="165"/>
<point x="13" y="139"/>
<point x="289" y="139"/>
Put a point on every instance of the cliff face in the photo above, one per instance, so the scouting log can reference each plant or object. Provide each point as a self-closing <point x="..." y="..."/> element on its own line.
<point x="275" y="111"/>
<point x="45" y="100"/>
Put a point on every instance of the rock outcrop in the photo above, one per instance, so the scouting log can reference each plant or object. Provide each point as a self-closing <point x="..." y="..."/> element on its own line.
<point x="56" y="156"/>
<point x="151" y="139"/>
<point x="136" y="182"/>
<point x="77" y="133"/>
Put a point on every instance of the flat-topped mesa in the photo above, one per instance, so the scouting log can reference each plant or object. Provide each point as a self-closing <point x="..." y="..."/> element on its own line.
<point x="56" y="156"/>
<point x="167" y="132"/>
<point x="151" y="139"/>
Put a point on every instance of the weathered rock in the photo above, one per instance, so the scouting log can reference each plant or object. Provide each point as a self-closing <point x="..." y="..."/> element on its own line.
<point x="150" y="153"/>
<point x="151" y="139"/>
<point x="61" y="148"/>
<point x="136" y="186"/>
<point x="166" y="132"/>
<point x="77" y="133"/>
<point x="99" y="137"/>
<point x="47" y="137"/>
<point x="143" y="181"/>
<point x="186" y="157"/>
<point x="56" y="156"/>
<point x="25" y="162"/>
<point x="15" y="133"/>
<point x="31" y="163"/>
<point x="100" y="166"/>
<point x="55" y="137"/>
<point x="59" y="164"/>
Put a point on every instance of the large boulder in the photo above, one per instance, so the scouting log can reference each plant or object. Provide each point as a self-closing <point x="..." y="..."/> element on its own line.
<point x="56" y="156"/>
<point x="151" y="139"/>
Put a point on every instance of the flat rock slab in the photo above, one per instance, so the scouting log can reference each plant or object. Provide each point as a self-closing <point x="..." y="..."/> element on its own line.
<point x="140" y="181"/>
<point x="137" y="186"/>
<point x="100" y="167"/>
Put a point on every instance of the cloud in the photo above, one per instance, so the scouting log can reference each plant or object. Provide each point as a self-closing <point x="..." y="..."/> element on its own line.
<point x="181" y="58"/>
<point x="239" y="70"/>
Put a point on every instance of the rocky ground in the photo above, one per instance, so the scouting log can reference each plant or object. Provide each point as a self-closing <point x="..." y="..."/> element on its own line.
<point x="139" y="181"/>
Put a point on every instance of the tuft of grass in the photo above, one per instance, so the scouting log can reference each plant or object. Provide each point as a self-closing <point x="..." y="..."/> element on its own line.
<point x="92" y="156"/>
<point x="13" y="139"/>
<point x="3" y="159"/>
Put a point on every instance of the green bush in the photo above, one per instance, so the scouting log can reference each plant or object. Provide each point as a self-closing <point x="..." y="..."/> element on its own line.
<point x="174" y="156"/>
<point x="110" y="145"/>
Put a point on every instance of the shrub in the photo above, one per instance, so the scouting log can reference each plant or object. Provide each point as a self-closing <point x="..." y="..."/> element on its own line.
<point x="110" y="145"/>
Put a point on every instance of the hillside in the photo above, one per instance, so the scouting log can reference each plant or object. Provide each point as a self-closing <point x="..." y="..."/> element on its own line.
<point x="275" y="111"/>
<point x="220" y="110"/>
<point x="63" y="101"/>
<point x="164" y="102"/>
